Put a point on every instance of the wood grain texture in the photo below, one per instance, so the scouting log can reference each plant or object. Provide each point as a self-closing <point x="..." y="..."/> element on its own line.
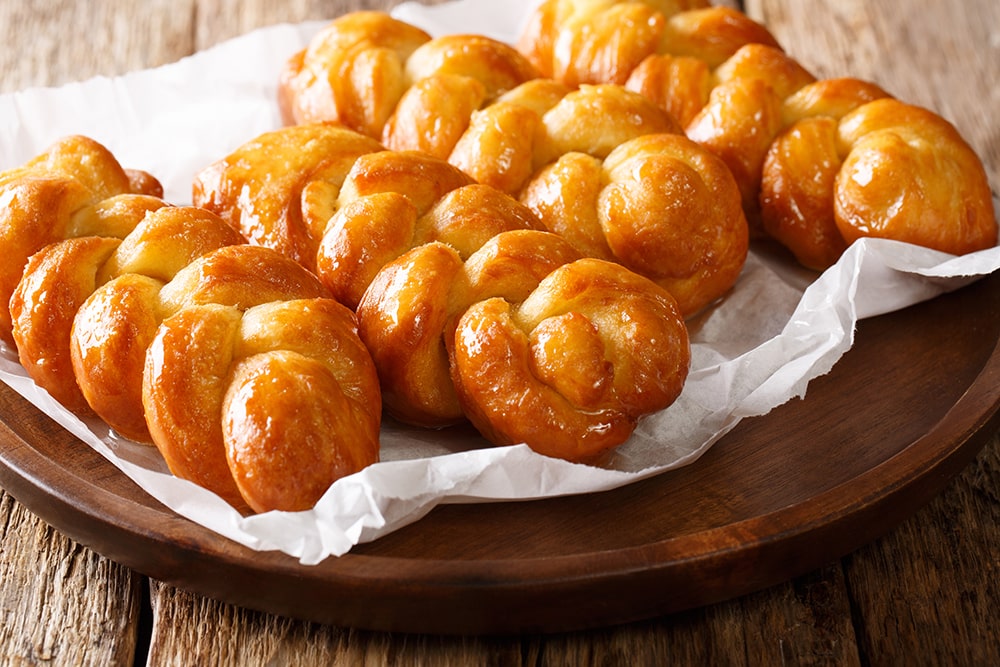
<point x="59" y="602"/>
<point x="929" y="589"/>
<point x="51" y="42"/>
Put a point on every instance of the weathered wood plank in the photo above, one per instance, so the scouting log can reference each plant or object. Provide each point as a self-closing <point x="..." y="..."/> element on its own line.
<point x="932" y="587"/>
<point x="59" y="602"/>
<point x="49" y="43"/>
<point x="191" y="629"/>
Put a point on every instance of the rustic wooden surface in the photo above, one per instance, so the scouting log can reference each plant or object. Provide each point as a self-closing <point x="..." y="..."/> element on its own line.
<point x="926" y="593"/>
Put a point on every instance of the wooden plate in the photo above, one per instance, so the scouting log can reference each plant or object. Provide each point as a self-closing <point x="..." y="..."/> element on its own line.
<point x="781" y="495"/>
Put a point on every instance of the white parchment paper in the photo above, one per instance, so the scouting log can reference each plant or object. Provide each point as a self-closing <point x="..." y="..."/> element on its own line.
<point x="780" y="327"/>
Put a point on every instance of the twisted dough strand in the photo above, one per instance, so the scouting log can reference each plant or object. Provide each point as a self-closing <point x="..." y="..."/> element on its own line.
<point x="669" y="201"/>
<point x="281" y="178"/>
<point x="660" y="205"/>
<point x="357" y="69"/>
<point x="407" y="310"/>
<point x="525" y="339"/>
<point x="357" y="210"/>
<point x="572" y="368"/>
<point x="74" y="188"/>
<point x="792" y="142"/>
<point x="58" y="281"/>
<point x="603" y="41"/>
<point x="268" y="405"/>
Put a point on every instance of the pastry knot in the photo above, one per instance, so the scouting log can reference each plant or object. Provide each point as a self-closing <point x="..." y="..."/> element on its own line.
<point x="268" y="405"/>
<point x="582" y="41"/>
<point x="61" y="279"/>
<point x="527" y="340"/>
<point x="357" y="69"/>
<point x="660" y="205"/>
<point x="75" y="188"/>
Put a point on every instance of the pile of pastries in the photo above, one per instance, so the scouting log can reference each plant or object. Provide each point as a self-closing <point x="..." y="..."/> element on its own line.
<point x="456" y="229"/>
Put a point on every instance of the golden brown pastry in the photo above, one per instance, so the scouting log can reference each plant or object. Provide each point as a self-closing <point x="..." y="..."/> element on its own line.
<point x="352" y="72"/>
<point x="394" y="201"/>
<point x="358" y="68"/>
<point x="583" y="41"/>
<point x="778" y="129"/>
<point x="237" y="365"/>
<point x="527" y="340"/>
<point x="356" y="209"/>
<point x="660" y="205"/>
<point x="114" y="326"/>
<point x="721" y="75"/>
<point x="62" y="276"/>
<point x="75" y="188"/>
<point x="885" y="169"/>
<point x="507" y="142"/>
<point x="571" y="369"/>
<point x="275" y="188"/>
<point x="269" y="405"/>
<point x="743" y="114"/>
<point x="405" y="314"/>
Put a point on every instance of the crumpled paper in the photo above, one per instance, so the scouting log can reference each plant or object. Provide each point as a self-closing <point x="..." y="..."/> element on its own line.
<point x="780" y="327"/>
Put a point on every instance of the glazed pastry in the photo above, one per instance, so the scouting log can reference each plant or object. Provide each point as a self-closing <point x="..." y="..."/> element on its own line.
<point x="406" y="313"/>
<point x="223" y="364"/>
<point x="352" y="72"/>
<point x="783" y="133"/>
<point x="60" y="278"/>
<point x="356" y="209"/>
<point x="507" y="142"/>
<point x="563" y="354"/>
<point x="269" y="405"/>
<point x="273" y="189"/>
<point x="887" y="170"/>
<point x="583" y="41"/>
<point x="466" y="99"/>
<point x="743" y="114"/>
<point x="75" y="188"/>
<point x="572" y="368"/>
<point x="113" y="328"/>
<point x="358" y="68"/>
<point x="660" y="205"/>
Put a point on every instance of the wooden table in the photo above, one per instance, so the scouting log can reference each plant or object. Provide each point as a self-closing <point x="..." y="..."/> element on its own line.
<point x="927" y="592"/>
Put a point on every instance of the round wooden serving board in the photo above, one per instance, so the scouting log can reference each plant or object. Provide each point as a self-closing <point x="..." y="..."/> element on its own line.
<point x="781" y="495"/>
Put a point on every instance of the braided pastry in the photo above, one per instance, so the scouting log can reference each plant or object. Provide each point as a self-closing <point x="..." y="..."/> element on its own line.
<point x="507" y="142"/>
<point x="541" y="347"/>
<point x="114" y="326"/>
<point x="885" y="169"/>
<point x="775" y="126"/>
<point x="358" y="210"/>
<point x="404" y="315"/>
<point x="821" y="163"/>
<point x="237" y="345"/>
<point x="270" y="187"/>
<point x="269" y="405"/>
<point x="60" y="278"/>
<point x="660" y="205"/>
<point x="137" y="312"/>
<point x="603" y="41"/>
<point x="357" y="69"/>
<point x="75" y="188"/>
